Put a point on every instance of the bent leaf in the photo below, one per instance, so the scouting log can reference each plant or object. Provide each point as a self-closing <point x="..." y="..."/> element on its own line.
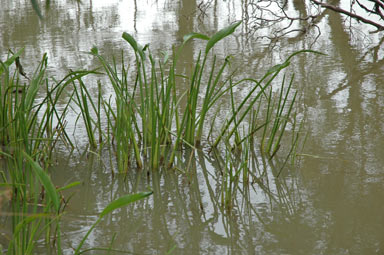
<point x="73" y="184"/>
<point x="122" y="201"/>
<point x="194" y="35"/>
<point x="129" y="38"/>
<point x="220" y="35"/>
<point x="278" y="67"/>
<point x="118" y="203"/>
<point x="12" y="59"/>
<point x="95" y="50"/>
<point x="305" y="51"/>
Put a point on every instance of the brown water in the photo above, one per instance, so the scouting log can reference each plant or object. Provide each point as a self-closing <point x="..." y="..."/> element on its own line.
<point x="330" y="203"/>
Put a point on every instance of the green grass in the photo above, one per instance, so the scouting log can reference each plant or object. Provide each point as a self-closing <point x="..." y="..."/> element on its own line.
<point x="28" y="136"/>
<point x="31" y="126"/>
<point x="149" y="122"/>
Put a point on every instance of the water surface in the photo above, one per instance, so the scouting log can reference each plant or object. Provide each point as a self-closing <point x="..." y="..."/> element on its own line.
<point x="329" y="203"/>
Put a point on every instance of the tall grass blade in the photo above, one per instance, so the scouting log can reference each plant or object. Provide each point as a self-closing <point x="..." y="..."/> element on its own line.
<point x="35" y="84"/>
<point x="45" y="181"/>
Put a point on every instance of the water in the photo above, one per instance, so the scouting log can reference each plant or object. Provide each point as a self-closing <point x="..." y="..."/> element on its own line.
<point x="330" y="203"/>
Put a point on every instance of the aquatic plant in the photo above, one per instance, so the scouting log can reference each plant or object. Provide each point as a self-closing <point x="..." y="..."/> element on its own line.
<point x="28" y="134"/>
<point x="149" y="122"/>
<point x="30" y="129"/>
<point x="114" y="205"/>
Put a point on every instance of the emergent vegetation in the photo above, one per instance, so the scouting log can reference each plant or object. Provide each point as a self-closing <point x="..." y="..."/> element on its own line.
<point x="149" y="121"/>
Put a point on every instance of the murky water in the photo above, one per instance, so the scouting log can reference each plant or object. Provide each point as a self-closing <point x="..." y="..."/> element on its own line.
<point x="330" y="203"/>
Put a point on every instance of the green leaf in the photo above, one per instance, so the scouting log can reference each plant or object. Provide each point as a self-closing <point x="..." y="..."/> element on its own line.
<point x="220" y="35"/>
<point x="36" y="7"/>
<point x="47" y="4"/>
<point x="123" y="201"/>
<point x="2" y="153"/>
<point x="35" y="84"/>
<point x="129" y="38"/>
<point x="45" y="181"/>
<point x="278" y="67"/>
<point x="95" y="50"/>
<point x="305" y="51"/>
<point x="194" y="35"/>
<point x="165" y="57"/>
<point x="12" y="59"/>
<point x="118" y="203"/>
<point x="73" y="184"/>
<point x="23" y="224"/>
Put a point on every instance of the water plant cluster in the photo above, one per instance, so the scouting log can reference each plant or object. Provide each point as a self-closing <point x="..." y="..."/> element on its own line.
<point x="150" y="120"/>
<point x="147" y="123"/>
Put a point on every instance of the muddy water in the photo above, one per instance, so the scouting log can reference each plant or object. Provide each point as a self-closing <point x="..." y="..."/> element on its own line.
<point x="330" y="203"/>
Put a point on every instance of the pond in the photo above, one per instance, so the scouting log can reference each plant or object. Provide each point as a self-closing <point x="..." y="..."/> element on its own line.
<point x="328" y="201"/>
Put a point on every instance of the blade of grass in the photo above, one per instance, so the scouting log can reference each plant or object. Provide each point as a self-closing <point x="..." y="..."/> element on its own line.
<point x="116" y="204"/>
<point x="45" y="181"/>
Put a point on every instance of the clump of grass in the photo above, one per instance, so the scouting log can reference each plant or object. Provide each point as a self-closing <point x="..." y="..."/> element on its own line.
<point x="89" y="110"/>
<point x="149" y="124"/>
<point x="30" y="129"/>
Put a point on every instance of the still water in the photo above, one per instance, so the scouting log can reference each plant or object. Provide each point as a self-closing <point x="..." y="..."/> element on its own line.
<point x="330" y="202"/>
